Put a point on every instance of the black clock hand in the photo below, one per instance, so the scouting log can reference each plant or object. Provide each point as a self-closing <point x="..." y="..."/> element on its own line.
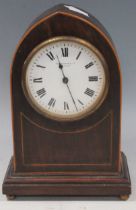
<point x="65" y="80"/>
<point x="60" y="66"/>
<point x="72" y="96"/>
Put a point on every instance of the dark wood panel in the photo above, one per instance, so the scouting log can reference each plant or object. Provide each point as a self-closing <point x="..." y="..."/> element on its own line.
<point x="74" y="151"/>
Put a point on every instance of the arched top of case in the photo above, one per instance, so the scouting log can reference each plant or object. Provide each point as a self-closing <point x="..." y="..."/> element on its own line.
<point x="71" y="12"/>
<point x="66" y="20"/>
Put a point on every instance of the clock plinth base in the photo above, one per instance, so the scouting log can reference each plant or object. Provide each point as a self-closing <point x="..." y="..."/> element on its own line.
<point x="16" y="184"/>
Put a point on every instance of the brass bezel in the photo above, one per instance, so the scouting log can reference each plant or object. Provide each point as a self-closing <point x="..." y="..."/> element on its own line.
<point x="54" y="116"/>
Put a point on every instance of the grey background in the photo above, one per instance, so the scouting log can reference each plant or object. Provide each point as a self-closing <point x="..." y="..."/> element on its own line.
<point x="119" y="18"/>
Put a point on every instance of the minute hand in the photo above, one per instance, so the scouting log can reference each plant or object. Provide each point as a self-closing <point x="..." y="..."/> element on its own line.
<point x="72" y="97"/>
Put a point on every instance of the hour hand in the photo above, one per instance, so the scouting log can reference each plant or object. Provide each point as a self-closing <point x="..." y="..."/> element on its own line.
<point x="60" y="65"/>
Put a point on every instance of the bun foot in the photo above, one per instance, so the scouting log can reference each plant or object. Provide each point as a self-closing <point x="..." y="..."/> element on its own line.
<point x="10" y="197"/>
<point x="124" y="197"/>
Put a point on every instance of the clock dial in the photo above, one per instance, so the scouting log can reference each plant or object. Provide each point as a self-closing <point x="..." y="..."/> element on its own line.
<point x="65" y="78"/>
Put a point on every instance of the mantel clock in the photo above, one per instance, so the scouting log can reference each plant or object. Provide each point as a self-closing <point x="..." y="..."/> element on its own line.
<point x="66" y="110"/>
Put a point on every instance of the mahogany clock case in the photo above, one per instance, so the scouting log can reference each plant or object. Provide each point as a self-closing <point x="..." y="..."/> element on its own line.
<point x="67" y="158"/>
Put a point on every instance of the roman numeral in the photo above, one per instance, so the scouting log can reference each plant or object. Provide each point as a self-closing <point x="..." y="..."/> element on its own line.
<point x="64" y="52"/>
<point x="89" y="92"/>
<point x="52" y="102"/>
<point x="41" y="66"/>
<point x="93" y="78"/>
<point x="89" y="65"/>
<point x="66" y="106"/>
<point x="50" y="55"/>
<point x="41" y="92"/>
<point x="80" y="102"/>
<point x="38" y="80"/>
<point x="78" y="55"/>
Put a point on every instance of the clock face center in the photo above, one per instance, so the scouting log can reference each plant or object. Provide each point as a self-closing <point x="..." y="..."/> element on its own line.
<point x="65" y="80"/>
<point x="85" y="78"/>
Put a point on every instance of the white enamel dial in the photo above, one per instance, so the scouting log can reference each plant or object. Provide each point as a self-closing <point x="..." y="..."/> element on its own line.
<point x="65" y="78"/>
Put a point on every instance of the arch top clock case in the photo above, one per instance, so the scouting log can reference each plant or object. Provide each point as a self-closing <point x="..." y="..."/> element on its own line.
<point x="66" y="110"/>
